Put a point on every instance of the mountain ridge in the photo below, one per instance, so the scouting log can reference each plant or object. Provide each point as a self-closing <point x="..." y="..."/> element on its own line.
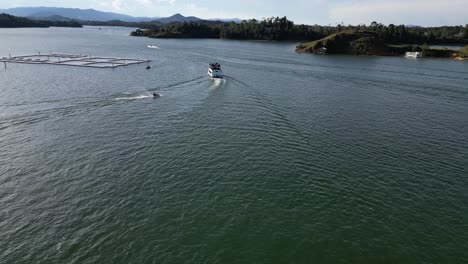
<point x="100" y="16"/>
<point x="9" y="21"/>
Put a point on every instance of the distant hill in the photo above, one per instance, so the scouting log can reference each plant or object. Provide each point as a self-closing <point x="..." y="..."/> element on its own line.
<point x="413" y="26"/>
<point x="235" y="20"/>
<point x="72" y="13"/>
<point x="67" y="14"/>
<point x="9" y="21"/>
<point x="118" y="23"/>
<point x="178" y="18"/>
<point x="49" y="18"/>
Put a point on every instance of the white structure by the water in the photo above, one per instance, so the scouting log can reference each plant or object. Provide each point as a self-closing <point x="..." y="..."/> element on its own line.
<point x="72" y="60"/>
<point x="413" y="55"/>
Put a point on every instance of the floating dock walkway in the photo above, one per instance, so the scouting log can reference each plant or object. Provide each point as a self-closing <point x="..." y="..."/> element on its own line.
<point x="73" y="60"/>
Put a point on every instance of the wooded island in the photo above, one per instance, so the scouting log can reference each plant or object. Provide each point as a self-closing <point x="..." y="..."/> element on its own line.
<point x="373" y="39"/>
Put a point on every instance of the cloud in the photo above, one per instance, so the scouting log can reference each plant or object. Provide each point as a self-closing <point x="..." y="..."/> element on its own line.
<point x="422" y="12"/>
<point x="194" y="9"/>
<point x="117" y="5"/>
<point x="172" y="2"/>
<point x="114" y="5"/>
<point x="148" y="3"/>
<point x="136" y="7"/>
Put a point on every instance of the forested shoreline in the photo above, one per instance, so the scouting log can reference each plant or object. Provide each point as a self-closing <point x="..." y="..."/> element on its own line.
<point x="9" y="21"/>
<point x="282" y="29"/>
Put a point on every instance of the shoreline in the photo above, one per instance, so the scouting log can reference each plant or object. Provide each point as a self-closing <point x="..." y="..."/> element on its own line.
<point x="368" y="43"/>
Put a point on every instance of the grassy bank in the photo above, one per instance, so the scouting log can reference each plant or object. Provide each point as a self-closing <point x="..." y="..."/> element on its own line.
<point x="351" y="42"/>
<point x="463" y="52"/>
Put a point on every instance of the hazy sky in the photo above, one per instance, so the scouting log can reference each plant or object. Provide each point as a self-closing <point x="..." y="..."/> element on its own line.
<point x="418" y="12"/>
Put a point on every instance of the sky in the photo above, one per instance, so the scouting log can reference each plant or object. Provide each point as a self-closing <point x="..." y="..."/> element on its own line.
<point x="323" y="12"/>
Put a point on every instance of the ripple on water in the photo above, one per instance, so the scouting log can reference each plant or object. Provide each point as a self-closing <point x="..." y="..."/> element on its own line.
<point x="291" y="158"/>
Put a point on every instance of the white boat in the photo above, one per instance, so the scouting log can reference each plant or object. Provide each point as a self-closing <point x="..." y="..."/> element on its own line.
<point x="153" y="47"/>
<point x="214" y="71"/>
<point x="413" y="55"/>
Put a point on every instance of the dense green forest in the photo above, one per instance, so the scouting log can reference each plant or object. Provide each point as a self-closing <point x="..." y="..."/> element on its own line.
<point x="276" y="28"/>
<point x="9" y="21"/>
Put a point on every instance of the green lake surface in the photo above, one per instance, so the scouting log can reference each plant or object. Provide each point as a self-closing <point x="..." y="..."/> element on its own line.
<point x="293" y="158"/>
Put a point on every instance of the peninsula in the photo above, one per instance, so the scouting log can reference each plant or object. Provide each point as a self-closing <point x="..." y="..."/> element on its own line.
<point x="362" y="42"/>
<point x="9" y="21"/>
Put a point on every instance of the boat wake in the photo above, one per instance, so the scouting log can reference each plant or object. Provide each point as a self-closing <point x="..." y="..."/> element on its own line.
<point x="217" y="82"/>
<point x="65" y="108"/>
<point x="236" y="80"/>
<point x="193" y="81"/>
<point x="134" y="96"/>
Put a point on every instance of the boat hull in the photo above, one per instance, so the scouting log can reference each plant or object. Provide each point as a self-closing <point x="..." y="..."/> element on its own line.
<point x="217" y="74"/>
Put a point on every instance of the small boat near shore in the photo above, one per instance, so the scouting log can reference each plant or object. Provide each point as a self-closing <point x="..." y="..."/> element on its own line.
<point x="214" y="71"/>
<point x="413" y="55"/>
<point x="153" y="47"/>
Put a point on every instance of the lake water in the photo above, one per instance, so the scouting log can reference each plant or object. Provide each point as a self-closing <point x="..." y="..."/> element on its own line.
<point x="293" y="158"/>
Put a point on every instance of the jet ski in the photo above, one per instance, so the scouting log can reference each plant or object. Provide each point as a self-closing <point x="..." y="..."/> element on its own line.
<point x="156" y="95"/>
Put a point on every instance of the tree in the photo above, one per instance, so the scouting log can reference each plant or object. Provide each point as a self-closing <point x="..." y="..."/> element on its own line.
<point x="276" y="28"/>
